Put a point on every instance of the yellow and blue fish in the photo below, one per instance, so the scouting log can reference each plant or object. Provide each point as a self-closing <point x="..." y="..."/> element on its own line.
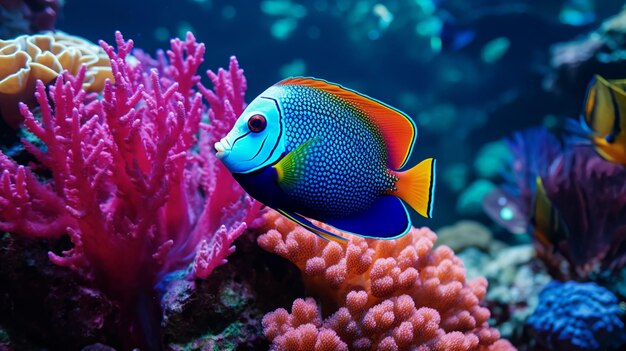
<point x="315" y="150"/>
<point x="604" y="118"/>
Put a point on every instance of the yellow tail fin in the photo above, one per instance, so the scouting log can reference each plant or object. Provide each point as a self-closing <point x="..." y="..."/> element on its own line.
<point x="416" y="187"/>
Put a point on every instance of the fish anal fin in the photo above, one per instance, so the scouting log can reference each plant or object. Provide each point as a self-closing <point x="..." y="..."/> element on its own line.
<point x="397" y="129"/>
<point x="416" y="187"/>
<point x="387" y="218"/>
<point x="308" y="225"/>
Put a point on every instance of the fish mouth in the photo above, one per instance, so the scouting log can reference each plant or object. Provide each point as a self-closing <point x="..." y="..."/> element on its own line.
<point x="222" y="149"/>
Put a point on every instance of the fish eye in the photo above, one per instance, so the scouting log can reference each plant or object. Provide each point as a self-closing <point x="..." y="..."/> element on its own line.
<point x="257" y="123"/>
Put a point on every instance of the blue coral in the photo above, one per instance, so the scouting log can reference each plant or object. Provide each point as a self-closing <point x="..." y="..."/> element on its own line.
<point x="578" y="316"/>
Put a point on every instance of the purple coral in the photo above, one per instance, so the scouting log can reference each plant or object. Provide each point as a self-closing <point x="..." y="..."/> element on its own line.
<point x="129" y="186"/>
<point x="588" y="197"/>
<point x="533" y="151"/>
<point x="511" y="204"/>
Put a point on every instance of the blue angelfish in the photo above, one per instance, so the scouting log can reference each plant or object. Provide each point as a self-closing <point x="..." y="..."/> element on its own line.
<point x="313" y="149"/>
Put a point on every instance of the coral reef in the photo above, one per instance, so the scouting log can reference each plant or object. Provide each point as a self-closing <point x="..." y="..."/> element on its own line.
<point x="159" y="248"/>
<point x="572" y="201"/>
<point x="533" y="152"/>
<point x="511" y="204"/>
<point x="19" y="17"/>
<point x="515" y="281"/>
<point x="225" y="310"/>
<point x="43" y="305"/>
<point x="29" y="58"/>
<point x="590" y="196"/>
<point x="137" y="198"/>
<point x="586" y="195"/>
<point x="574" y="316"/>
<point x="463" y="235"/>
<point x="401" y="324"/>
<point x="515" y="278"/>
<point x="392" y="294"/>
<point x="47" y="306"/>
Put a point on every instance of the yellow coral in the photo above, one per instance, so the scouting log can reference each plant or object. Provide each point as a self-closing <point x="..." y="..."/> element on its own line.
<point x="29" y="58"/>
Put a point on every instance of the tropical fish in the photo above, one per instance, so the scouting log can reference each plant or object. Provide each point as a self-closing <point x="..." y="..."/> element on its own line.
<point x="315" y="150"/>
<point x="604" y="118"/>
<point x="547" y="224"/>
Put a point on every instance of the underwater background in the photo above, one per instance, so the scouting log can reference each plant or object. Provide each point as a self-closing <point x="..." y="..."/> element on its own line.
<point x="468" y="72"/>
<point x="182" y="259"/>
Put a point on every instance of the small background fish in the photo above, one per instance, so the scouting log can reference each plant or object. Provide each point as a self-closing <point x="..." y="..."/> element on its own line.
<point x="604" y="118"/>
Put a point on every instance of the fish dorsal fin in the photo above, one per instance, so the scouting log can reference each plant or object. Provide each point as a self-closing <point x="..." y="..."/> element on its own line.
<point x="291" y="167"/>
<point x="398" y="130"/>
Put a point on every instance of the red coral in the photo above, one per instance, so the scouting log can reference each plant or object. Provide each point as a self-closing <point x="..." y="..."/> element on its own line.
<point x="379" y="294"/>
<point x="136" y="198"/>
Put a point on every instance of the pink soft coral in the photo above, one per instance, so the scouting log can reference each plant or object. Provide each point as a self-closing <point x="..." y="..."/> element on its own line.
<point x="137" y="198"/>
<point x="379" y="294"/>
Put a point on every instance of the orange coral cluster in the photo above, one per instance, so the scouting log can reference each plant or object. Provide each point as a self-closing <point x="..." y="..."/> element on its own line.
<point x="379" y="294"/>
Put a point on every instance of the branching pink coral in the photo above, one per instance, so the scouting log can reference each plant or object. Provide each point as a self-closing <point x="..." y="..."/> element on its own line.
<point x="136" y="198"/>
<point x="379" y="294"/>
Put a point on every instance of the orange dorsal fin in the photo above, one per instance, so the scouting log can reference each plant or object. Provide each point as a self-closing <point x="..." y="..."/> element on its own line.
<point x="397" y="129"/>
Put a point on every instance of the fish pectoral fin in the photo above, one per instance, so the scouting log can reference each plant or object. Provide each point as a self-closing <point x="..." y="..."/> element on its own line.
<point x="397" y="129"/>
<point x="387" y="218"/>
<point x="324" y="234"/>
<point x="291" y="167"/>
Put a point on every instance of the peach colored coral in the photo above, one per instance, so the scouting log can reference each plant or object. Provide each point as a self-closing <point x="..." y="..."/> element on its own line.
<point x="379" y="294"/>
<point x="29" y="58"/>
